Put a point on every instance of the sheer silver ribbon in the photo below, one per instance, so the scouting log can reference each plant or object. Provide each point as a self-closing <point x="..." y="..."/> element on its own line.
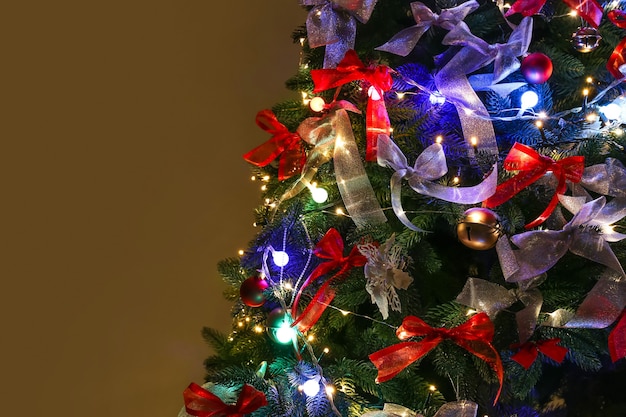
<point x="607" y="179"/>
<point x="492" y="298"/>
<point x="391" y="410"/>
<point x="429" y="166"/>
<point x="403" y="42"/>
<point x="333" y="138"/>
<point x="332" y="23"/>
<point x="587" y="234"/>
<point x="452" y="80"/>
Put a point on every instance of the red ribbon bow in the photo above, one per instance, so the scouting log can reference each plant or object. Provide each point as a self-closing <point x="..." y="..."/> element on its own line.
<point x="617" y="60"/>
<point x="329" y="247"/>
<point x="351" y="68"/>
<point x="202" y="403"/>
<point x="589" y="10"/>
<point x="528" y="352"/>
<point x="283" y="143"/>
<point x="474" y="335"/>
<point x="617" y="339"/>
<point x="533" y="166"/>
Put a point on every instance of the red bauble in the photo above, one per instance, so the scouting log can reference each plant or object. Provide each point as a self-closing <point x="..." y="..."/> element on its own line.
<point x="536" y="68"/>
<point x="251" y="291"/>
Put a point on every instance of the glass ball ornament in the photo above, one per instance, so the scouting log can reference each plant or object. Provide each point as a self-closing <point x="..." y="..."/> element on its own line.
<point x="586" y="39"/>
<point x="317" y="104"/>
<point x="311" y="387"/>
<point x="536" y="68"/>
<point x="252" y="291"/>
<point x="479" y="229"/>
<point x="319" y="195"/>
<point x="279" y="326"/>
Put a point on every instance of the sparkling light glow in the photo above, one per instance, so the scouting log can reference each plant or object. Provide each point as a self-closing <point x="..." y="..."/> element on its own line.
<point x="529" y="99"/>
<point x="280" y="258"/>
<point x="436" y="99"/>
<point x="285" y="333"/>
<point x="310" y="387"/>
<point x="439" y="139"/>
<point x="317" y="104"/>
<point x="612" y="111"/>
<point x="319" y="195"/>
<point x="330" y="389"/>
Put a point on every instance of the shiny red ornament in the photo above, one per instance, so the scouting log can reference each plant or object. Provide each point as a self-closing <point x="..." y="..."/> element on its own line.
<point x="617" y="339"/>
<point x="251" y="291"/>
<point x="537" y="68"/>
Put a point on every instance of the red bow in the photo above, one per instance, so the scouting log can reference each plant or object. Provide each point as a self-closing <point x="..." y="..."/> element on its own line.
<point x="617" y="339"/>
<point x="330" y="247"/>
<point x="616" y="60"/>
<point x="529" y="351"/>
<point x="474" y="335"/>
<point x="283" y="143"/>
<point x="589" y="10"/>
<point x="202" y="403"/>
<point x="351" y="69"/>
<point x="533" y="166"/>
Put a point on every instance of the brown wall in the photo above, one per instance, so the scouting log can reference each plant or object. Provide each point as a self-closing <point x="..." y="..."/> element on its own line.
<point x="122" y="185"/>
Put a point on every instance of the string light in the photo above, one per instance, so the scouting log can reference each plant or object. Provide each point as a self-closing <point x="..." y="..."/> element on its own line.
<point x="264" y="187"/>
<point x="585" y="92"/>
<point x="591" y="117"/>
<point x="240" y="252"/>
<point x="400" y="95"/>
<point x="258" y="329"/>
<point x="589" y="80"/>
<point x="280" y="258"/>
<point x="253" y="178"/>
<point x="340" y="212"/>
<point x="310" y="387"/>
<point x="439" y="139"/>
<point x="310" y="338"/>
<point x="319" y="195"/>
<point x="573" y="13"/>
<point x="436" y="98"/>
<point x="305" y="98"/>
<point x="528" y="100"/>
<point x="456" y="180"/>
<point x="317" y="104"/>
<point x="330" y="389"/>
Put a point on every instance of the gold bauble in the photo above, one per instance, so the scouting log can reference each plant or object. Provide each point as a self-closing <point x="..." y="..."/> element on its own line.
<point x="479" y="228"/>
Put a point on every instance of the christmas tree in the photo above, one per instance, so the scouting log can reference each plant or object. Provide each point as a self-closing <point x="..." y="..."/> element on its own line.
<point x="439" y="231"/>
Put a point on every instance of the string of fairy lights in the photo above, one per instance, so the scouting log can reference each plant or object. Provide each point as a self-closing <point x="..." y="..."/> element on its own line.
<point x="285" y="290"/>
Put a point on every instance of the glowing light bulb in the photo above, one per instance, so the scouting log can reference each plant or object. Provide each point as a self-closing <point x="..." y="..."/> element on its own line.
<point x="330" y="389"/>
<point x="585" y="92"/>
<point x="280" y="258"/>
<point x="317" y="104"/>
<point x="589" y="80"/>
<point x="319" y="195"/>
<point x="612" y="111"/>
<point x="573" y="13"/>
<point x="240" y="252"/>
<point x="400" y="95"/>
<point x="439" y="139"/>
<point x="436" y="99"/>
<point x="529" y="99"/>
<point x="591" y="117"/>
<point x="310" y="387"/>
<point x="432" y="388"/>
<point x="284" y="334"/>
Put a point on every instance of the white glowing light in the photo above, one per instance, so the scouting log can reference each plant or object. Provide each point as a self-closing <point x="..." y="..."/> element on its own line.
<point x="310" y="387"/>
<point x="529" y="99"/>
<point x="436" y="99"/>
<point x="317" y="104"/>
<point x="611" y="111"/>
<point x="280" y="258"/>
<point x="319" y="195"/>
<point x="284" y="334"/>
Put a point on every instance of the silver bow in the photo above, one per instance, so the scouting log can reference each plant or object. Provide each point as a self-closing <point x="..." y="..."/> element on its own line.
<point x="429" y="166"/>
<point x="403" y="42"/>
<point x="332" y="23"/>
<point x="462" y="408"/>
<point x="587" y="234"/>
<point x="391" y="410"/>
<point x="606" y="179"/>
<point x="333" y="138"/>
<point x="492" y="298"/>
<point x="478" y="53"/>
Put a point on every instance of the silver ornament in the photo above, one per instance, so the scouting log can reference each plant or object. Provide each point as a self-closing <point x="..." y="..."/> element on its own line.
<point x="586" y="39"/>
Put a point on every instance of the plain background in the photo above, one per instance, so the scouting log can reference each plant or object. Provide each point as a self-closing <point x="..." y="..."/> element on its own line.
<point x="122" y="185"/>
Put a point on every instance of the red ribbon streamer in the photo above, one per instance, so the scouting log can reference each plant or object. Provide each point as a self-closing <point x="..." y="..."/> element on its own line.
<point x="283" y="143"/>
<point x="616" y="60"/>
<point x="617" y="339"/>
<point x="475" y="336"/>
<point x="329" y="247"/>
<point x="589" y="10"/>
<point x="351" y="68"/>
<point x="618" y="18"/>
<point x="528" y="352"/>
<point x="202" y="403"/>
<point x="533" y="166"/>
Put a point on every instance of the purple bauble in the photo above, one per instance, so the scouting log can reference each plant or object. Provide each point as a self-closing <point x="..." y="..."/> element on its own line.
<point x="251" y="291"/>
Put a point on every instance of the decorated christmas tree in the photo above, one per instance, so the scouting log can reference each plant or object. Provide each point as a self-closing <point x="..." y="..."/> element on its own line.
<point x="439" y="232"/>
